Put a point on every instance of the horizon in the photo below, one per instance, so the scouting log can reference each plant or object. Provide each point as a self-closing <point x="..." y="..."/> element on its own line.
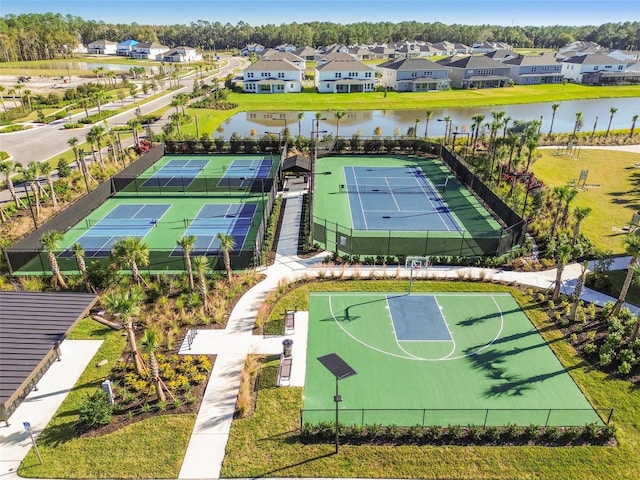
<point x="520" y="13"/>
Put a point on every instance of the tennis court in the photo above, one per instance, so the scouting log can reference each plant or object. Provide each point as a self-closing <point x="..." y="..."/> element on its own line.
<point x="396" y="198"/>
<point x="436" y="358"/>
<point x="398" y="205"/>
<point x="176" y="173"/>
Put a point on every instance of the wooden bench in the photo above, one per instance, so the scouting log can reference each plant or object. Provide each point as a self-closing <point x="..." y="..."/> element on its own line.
<point x="289" y="322"/>
<point x="284" y="371"/>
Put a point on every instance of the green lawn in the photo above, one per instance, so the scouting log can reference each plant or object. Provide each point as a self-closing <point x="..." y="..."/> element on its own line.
<point x="266" y="443"/>
<point x="613" y="190"/>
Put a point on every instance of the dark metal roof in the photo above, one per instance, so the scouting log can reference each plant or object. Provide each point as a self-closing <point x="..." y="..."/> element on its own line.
<point x="296" y="163"/>
<point x="32" y="325"/>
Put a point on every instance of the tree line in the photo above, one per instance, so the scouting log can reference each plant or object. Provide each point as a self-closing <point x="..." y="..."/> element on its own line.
<point x="52" y="35"/>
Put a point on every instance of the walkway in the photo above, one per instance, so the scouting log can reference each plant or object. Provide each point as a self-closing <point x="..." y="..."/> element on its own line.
<point x="206" y="449"/>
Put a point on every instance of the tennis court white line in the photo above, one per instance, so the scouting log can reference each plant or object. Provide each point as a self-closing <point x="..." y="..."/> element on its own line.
<point x="435" y="209"/>
<point x="364" y="217"/>
<point x="392" y="195"/>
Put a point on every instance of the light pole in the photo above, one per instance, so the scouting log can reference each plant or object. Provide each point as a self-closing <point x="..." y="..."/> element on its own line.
<point x="466" y="144"/>
<point x="341" y="370"/>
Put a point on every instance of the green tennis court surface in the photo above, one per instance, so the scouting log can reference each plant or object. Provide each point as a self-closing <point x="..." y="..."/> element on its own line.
<point x="398" y="205"/>
<point x="441" y="358"/>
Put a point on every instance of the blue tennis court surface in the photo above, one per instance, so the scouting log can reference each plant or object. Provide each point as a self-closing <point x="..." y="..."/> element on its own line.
<point x="417" y="318"/>
<point x="396" y="198"/>
<point x="229" y="219"/>
<point x="243" y="172"/>
<point x="133" y="220"/>
<point x="176" y="173"/>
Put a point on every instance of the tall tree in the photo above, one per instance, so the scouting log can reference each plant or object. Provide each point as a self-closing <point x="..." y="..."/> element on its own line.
<point x="577" y="291"/>
<point x="32" y="176"/>
<point x="563" y="255"/>
<point x="51" y="244"/>
<point x="339" y="116"/>
<point x="125" y="304"/>
<point x="577" y="125"/>
<point x="227" y="243"/>
<point x="150" y="344"/>
<point x="78" y="252"/>
<point x="96" y="136"/>
<point x="579" y="214"/>
<point x="8" y="168"/>
<point x="612" y="112"/>
<point x="635" y="281"/>
<point x="188" y="243"/>
<point x="632" y="247"/>
<point x="202" y="269"/>
<point x="427" y="117"/>
<point x="477" y="120"/>
<point x="554" y="108"/>
<point x="46" y="170"/>
<point x="2" y="90"/>
<point x="634" y="119"/>
<point x="133" y="252"/>
<point x="300" y="116"/>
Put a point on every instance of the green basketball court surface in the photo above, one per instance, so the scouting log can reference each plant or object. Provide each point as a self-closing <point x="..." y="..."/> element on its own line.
<point x="436" y="359"/>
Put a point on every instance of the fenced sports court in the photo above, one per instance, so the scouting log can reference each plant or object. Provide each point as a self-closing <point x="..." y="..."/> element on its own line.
<point x="399" y="205"/>
<point x="436" y="359"/>
<point x="173" y="197"/>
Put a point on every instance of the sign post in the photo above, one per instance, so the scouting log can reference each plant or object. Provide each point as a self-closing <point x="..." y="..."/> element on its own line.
<point x="29" y="430"/>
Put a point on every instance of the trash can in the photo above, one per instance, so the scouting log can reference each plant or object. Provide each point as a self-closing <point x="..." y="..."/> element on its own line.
<point x="287" y="346"/>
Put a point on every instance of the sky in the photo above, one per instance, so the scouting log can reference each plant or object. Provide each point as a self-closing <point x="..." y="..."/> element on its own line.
<point x="262" y="12"/>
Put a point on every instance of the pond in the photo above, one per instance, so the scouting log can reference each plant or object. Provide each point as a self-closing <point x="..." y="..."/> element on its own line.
<point x="397" y="122"/>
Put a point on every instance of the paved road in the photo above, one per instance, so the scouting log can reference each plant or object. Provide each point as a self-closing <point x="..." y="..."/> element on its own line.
<point x="46" y="141"/>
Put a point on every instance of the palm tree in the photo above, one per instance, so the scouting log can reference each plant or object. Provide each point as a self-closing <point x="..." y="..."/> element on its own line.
<point x="563" y="255"/>
<point x="633" y="126"/>
<point x="133" y="252"/>
<point x="300" y="116"/>
<point x="12" y="92"/>
<point x="227" y="243"/>
<point x="632" y="246"/>
<point x="415" y="128"/>
<point x="572" y="193"/>
<point x="577" y="125"/>
<point x="427" y="117"/>
<point x="188" y="243"/>
<point x="150" y="344"/>
<point x="78" y="251"/>
<point x="554" y="107"/>
<point x="577" y="291"/>
<point x="579" y="213"/>
<point x="339" y="116"/>
<point x="95" y="136"/>
<point x="559" y="193"/>
<point x="125" y="303"/>
<point x="8" y="168"/>
<point x="635" y="275"/>
<point x="202" y="268"/>
<point x="51" y="244"/>
<point x="612" y="111"/>
<point x="2" y="89"/>
<point x="27" y="94"/>
<point x="45" y="169"/>
<point x="32" y="176"/>
<point x="475" y="130"/>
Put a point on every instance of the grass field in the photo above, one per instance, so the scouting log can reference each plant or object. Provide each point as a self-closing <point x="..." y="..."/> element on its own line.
<point x="613" y="190"/>
<point x="436" y="358"/>
<point x="266" y="444"/>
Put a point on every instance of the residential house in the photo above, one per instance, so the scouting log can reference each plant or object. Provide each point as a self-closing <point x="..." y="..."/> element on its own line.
<point x="252" y="48"/>
<point x="383" y="52"/>
<point x="333" y="56"/>
<point x="273" y="76"/>
<point x="486" y="47"/>
<point x="359" y="53"/>
<point x="344" y="76"/>
<point x="148" y="51"/>
<point x="626" y="56"/>
<point x="290" y="57"/>
<point x="286" y="47"/>
<point x="125" y="48"/>
<point x="308" y="54"/>
<point x="611" y="78"/>
<point x="414" y="75"/>
<point x="535" y="69"/>
<point x="574" y="67"/>
<point x="477" y="72"/>
<point x="446" y="48"/>
<point x="580" y="48"/>
<point x="102" y="47"/>
<point x="182" y="54"/>
<point x="408" y="50"/>
<point x="501" y="55"/>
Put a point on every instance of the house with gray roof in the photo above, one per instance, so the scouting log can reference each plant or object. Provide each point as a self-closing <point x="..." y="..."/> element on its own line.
<point x="102" y="47"/>
<point x="272" y="54"/>
<point x="575" y="67"/>
<point x="477" y="72"/>
<point x="272" y="76"/>
<point x="535" y="69"/>
<point x="414" y="75"/>
<point x="344" y="76"/>
<point x="308" y="54"/>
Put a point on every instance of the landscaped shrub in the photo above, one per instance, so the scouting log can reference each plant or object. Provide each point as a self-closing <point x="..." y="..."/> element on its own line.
<point x="95" y="411"/>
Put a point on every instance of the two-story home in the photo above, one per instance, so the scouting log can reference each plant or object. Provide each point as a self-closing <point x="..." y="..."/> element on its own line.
<point x="308" y="54"/>
<point x="383" y="52"/>
<point x="272" y="76"/>
<point x="148" y="51"/>
<point x="575" y="67"/>
<point x="477" y="72"/>
<point x="535" y="69"/>
<point x="413" y="75"/>
<point x="125" y="48"/>
<point x="345" y="76"/>
<point x="182" y="54"/>
<point x="102" y="47"/>
<point x="290" y="57"/>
